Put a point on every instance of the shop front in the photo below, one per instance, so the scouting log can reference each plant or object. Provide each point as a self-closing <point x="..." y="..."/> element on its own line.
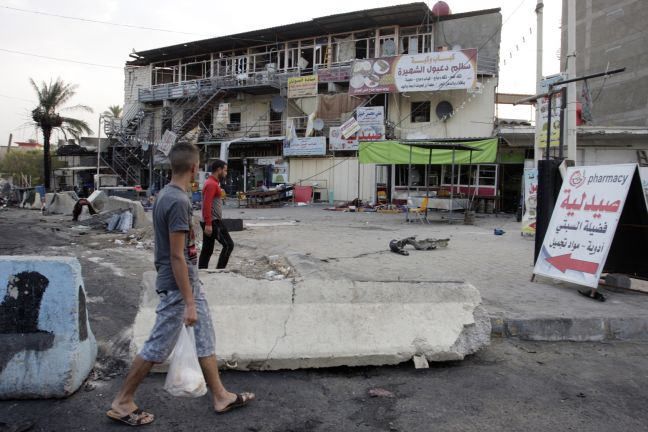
<point x="464" y="172"/>
<point x="253" y="163"/>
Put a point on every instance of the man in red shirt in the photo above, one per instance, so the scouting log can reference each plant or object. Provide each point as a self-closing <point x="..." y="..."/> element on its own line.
<point x="212" y="216"/>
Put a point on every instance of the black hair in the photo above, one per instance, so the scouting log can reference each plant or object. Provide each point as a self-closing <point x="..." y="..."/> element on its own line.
<point x="182" y="156"/>
<point x="218" y="164"/>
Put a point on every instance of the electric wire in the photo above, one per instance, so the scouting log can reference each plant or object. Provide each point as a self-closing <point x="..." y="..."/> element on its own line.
<point x="59" y="59"/>
<point x="94" y="21"/>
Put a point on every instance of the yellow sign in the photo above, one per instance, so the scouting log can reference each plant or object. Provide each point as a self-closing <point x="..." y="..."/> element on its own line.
<point x="304" y="86"/>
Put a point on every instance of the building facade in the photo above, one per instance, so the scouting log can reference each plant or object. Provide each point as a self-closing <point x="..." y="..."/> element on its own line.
<point x="611" y="35"/>
<point x="299" y="107"/>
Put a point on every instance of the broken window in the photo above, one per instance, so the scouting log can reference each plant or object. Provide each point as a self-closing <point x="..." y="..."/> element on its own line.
<point x="420" y="112"/>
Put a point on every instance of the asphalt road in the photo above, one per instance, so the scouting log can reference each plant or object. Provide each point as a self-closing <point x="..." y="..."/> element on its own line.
<point x="511" y="386"/>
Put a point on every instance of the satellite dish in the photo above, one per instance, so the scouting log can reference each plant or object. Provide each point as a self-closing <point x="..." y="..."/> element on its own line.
<point x="443" y="110"/>
<point x="278" y="104"/>
<point x="318" y="124"/>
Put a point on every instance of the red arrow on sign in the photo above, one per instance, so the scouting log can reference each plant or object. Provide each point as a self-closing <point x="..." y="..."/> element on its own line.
<point x="566" y="262"/>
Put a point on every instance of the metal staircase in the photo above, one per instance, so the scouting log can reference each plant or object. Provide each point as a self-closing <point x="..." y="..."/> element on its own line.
<point x="128" y="135"/>
<point x="199" y="109"/>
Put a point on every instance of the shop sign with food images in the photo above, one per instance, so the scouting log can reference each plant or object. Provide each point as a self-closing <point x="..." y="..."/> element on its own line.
<point x="442" y="70"/>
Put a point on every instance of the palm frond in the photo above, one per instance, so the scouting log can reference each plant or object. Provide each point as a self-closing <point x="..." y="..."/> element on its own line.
<point x="78" y="107"/>
<point x="73" y="125"/>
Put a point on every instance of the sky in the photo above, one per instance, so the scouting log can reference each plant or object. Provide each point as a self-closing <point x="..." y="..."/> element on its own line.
<point x="107" y="46"/>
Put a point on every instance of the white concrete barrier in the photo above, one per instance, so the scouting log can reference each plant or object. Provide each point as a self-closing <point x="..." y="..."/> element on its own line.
<point x="48" y="349"/>
<point x="60" y="203"/>
<point x="268" y="325"/>
<point x="136" y="208"/>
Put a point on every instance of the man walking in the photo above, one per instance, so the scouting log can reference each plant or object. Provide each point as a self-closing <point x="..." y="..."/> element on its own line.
<point x="212" y="213"/>
<point x="182" y="301"/>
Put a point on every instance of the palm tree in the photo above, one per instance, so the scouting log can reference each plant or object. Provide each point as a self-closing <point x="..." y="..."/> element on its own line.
<point x="51" y="100"/>
<point x="114" y="111"/>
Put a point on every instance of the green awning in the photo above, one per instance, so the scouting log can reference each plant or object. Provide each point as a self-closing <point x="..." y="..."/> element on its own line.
<point x="393" y="152"/>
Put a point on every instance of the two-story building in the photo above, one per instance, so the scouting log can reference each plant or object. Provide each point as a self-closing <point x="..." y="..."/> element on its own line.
<point x="334" y="102"/>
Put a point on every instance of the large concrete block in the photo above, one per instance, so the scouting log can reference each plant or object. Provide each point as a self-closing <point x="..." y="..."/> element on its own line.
<point x="48" y="349"/>
<point x="136" y="207"/>
<point x="60" y="203"/>
<point x="268" y="325"/>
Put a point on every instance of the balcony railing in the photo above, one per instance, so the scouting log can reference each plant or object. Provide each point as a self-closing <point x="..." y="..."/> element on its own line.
<point x="207" y="86"/>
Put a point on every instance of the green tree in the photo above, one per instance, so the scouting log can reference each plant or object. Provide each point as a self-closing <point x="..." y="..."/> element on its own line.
<point x="52" y="99"/>
<point x="27" y="163"/>
<point x="114" y="111"/>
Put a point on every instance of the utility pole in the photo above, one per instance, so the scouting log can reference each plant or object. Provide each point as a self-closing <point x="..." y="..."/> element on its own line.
<point x="571" y="74"/>
<point x="9" y="143"/>
<point x="539" y="24"/>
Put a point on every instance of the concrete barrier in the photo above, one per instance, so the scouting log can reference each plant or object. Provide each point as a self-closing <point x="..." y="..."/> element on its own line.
<point x="269" y="325"/>
<point x="48" y="349"/>
<point x="31" y="200"/>
<point x="136" y="208"/>
<point x="60" y="203"/>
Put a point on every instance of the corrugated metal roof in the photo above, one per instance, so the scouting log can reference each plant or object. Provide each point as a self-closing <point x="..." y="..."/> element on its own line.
<point x="404" y="15"/>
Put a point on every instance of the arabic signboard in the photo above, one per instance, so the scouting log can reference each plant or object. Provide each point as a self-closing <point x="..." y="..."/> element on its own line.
<point x="334" y="75"/>
<point x="349" y="127"/>
<point x="435" y="71"/>
<point x="371" y="115"/>
<point x="530" y="201"/>
<point x="306" y="146"/>
<point x="167" y="141"/>
<point x="543" y="113"/>
<point x="304" y="86"/>
<point x="584" y="222"/>
<point x="372" y="123"/>
<point x="543" y="117"/>
<point x="338" y="143"/>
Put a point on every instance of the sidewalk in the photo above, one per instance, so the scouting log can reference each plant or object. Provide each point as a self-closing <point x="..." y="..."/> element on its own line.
<point x="356" y="246"/>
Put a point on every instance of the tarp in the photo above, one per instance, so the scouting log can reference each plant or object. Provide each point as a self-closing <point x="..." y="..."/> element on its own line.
<point x="393" y="152"/>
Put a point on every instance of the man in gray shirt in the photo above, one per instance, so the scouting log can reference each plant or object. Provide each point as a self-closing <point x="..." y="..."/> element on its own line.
<point x="182" y="301"/>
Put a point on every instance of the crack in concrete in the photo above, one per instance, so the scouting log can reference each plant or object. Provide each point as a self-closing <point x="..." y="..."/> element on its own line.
<point x="285" y="324"/>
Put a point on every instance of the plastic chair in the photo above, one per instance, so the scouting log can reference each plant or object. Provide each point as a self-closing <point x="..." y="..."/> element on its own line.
<point x="419" y="212"/>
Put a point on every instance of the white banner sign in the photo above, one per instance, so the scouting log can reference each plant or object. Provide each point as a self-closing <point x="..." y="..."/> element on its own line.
<point x="222" y="115"/>
<point x="371" y="116"/>
<point x="338" y="143"/>
<point x="530" y="201"/>
<point x="372" y="123"/>
<point x="349" y="127"/>
<point x="308" y="146"/>
<point x="167" y="141"/>
<point x="583" y="223"/>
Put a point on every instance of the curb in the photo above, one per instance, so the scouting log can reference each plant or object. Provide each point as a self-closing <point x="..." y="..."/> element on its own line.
<point x="632" y="329"/>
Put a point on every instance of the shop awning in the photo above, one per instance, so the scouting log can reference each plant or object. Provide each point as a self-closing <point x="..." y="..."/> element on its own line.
<point x="396" y="152"/>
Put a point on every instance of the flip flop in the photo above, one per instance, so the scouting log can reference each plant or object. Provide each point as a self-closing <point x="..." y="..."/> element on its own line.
<point x="597" y="295"/>
<point x="242" y="399"/>
<point x="136" y="418"/>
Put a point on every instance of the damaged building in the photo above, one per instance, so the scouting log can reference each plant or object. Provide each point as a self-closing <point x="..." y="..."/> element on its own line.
<point x="333" y="103"/>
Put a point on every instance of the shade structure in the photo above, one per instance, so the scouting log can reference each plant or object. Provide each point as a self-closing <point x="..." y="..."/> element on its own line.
<point x="399" y="152"/>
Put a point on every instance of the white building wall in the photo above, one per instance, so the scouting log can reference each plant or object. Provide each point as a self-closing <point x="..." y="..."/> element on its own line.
<point x="607" y="155"/>
<point x="475" y="119"/>
<point x="135" y="77"/>
<point x="337" y="175"/>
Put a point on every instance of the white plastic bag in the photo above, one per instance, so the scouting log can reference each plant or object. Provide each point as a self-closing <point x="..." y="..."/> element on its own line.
<point x="185" y="378"/>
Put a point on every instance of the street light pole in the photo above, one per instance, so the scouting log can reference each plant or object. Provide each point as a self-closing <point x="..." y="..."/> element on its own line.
<point x="539" y="9"/>
<point x="98" y="180"/>
<point x="571" y="74"/>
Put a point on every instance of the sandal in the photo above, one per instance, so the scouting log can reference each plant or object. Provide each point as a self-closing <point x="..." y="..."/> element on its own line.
<point x="597" y="295"/>
<point x="242" y="399"/>
<point x="136" y="418"/>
